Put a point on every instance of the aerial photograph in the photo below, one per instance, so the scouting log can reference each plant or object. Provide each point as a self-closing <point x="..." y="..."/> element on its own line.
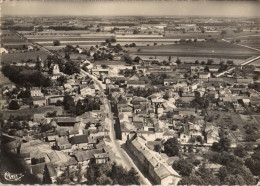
<point x="130" y="92"/>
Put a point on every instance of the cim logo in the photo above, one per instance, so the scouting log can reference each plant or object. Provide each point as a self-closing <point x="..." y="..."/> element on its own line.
<point x="13" y="177"/>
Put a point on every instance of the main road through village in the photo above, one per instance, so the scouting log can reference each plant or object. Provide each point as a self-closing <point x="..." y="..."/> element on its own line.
<point x="121" y="156"/>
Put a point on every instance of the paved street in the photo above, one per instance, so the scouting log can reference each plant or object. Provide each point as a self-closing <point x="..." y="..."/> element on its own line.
<point x="122" y="156"/>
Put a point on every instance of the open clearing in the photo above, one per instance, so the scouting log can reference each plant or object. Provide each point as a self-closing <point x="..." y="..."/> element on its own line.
<point x="207" y="49"/>
<point x="14" y="57"/>
<point x="31" y="112"/>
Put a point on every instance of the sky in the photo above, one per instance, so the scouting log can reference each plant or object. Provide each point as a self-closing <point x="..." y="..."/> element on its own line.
<point x="132" y="8"/>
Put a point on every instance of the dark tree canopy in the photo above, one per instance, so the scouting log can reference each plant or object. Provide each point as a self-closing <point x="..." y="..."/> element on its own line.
<point x="14" y="105"/>
<point x="110" y="174"/>
<point x="56" y="43"/>
<point x="46" y="176"/>
<point x="183" y="167"/>
<point x="172" y="147"/>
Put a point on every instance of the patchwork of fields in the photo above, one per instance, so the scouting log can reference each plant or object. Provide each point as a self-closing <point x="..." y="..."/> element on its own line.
<point x="165" y="45"/>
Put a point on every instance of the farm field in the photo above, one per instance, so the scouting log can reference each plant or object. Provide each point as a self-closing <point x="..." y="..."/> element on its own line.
<point x="206" y="49"/>
<point x="193" y="59"/>
<point x="12" y="57"/>
<point x="251" y="41"/>
<point x="256" y="63"/>
<point x="8" y="37"/>
<point x="113" y="62"/>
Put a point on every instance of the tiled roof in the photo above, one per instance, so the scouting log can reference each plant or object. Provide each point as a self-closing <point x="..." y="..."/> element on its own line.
<point x="79" y="139"/>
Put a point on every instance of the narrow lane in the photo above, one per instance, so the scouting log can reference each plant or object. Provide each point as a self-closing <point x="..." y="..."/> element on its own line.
<point x="243" y="64"/>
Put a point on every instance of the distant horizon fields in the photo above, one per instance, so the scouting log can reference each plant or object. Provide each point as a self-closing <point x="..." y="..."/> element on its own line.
<point x="112" y="8"/>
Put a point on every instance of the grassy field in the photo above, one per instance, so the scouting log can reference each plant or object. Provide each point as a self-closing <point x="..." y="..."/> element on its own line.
<point x="252" y="41"/>
<point x="105" y="62"/>
<point x="31" y="112"/>
<point x="10" y="38"/>
<point x="219" y="49"/>
<point x="12" y="57"/>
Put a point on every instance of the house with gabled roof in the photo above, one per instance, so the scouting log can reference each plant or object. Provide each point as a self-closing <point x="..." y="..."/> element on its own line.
<point x="62" y="143"/>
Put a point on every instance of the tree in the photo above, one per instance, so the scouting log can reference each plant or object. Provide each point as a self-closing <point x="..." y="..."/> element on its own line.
<point x="137" y="59"/>
<point x="24" y="94"/>
<point x="14" y="105"/>
<point x="234" y="127"/>
<point x="79" y="108"/>
<point x="72" y="67"/>
<point x="67" y="56"/>
<point x="172" y="147"/>
<point x="56" y="43"/>
<point x="223" y="145"/>
<point x="110" y="174"/>
<point x="170" y="58"/>
<point x="104" y="180"/>
<point x="128" y="59"/>
<point x="253" y="163"/>
<point x="68" y="103"/>
<point x="38" y="64"/>
<point x="46" y="176"/>
<point x="240" y="151"/>
<point x="61" y="80"/>
<point x="157" y="148"/>
<point x="135" y="32"/>
<point x="178" y="61"/>
<point x="183" y="167"/>
<point x="223" y="32"/>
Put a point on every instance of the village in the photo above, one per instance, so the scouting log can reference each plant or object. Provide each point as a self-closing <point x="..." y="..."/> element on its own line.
<point x="153" y="115"/>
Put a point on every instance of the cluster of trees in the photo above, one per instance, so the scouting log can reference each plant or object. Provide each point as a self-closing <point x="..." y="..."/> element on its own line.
<point x="26" y="76"/>
<point x="253" y="163"/>
<point x="203" y="176"/>
<point x="130" y="45"/>
<point x="187" y="40"/>
<point x="14" y="123"/>
<point x="102" y="55"/>
<point x="222" y="67"/>
<point x="67" y="28"/>
<point x="111" y="40"/>
<point x="157" y="79"/>
<point x="88" y="104"/>
<point x="70" y="67"/>
<point x="110" y="174"/>
<point x="127" y="72"/>
<point x="233" y="170"/>
<point x="143" y="92"/>
<point x="69" y="176"/>
<point x="201" y="102"/>
<point x="223" y="145"/>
